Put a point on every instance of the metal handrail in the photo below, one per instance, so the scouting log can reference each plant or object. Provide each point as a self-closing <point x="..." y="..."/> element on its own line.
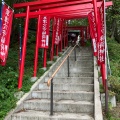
<point x="49" y="80"/>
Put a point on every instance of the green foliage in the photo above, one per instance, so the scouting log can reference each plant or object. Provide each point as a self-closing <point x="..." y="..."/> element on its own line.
<point x="113" y="20"/>
<point x="9" y="74"/>
<point x="78" y="22"/>
<point x="88" y="43"/>
<point x="114" y="54"/>
<point x="110" y="117"/>
<point x="6" y="105"/>
<point x="115" y="85"/>
<point x="101" y="88"/>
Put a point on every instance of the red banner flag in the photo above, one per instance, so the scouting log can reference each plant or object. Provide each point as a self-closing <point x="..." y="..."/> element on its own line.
<point x="7" y="15"/>
<point x="101" y="44"/>
<point x="60" y="30"/>
<point x="57" y="31"/>
<point x="93" y="31"/>
<point x="44" y="32"/>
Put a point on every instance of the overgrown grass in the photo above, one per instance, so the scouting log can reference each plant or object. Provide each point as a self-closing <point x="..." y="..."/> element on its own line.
<point x="114" y="79"/>
<point x="9" y="75"/>
<point x="114" y="55"/>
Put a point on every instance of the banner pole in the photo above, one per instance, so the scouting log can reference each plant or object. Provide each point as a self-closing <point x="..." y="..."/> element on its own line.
<point x="53" y="39"/>
<point x="57" y="50"/>
<point x="37" y="49"/>
<point x="105" y="41"/>
<point x="1" y="20"/>
<point x="45" y="59"/>
<point x="64" y="33"/>
<point x="61" y="36"/>
<point x="1" y="16"/>
<point x="97" y="27"/>
<point x="20" y="48"/>
<point x="21" y="72"/>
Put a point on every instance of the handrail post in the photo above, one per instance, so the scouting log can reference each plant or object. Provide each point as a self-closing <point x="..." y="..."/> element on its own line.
<point x="106" y="97"/>
<point x="75" y="53"/>
<point x="50" y="81"/>
<point x="51" y="98"/>
<point x="68" y="66"/>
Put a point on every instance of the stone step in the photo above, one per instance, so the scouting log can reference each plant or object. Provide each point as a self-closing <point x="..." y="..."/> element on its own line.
<point x="76" y="69"/>
<point x="81" y="58"/>
<point x="68" y="87"/>
<point x="83" y="50"/>
<point x="66" y="95"/>
<point x="81" y="54"/>
<point x="77" y="74"/>
<point x="68" y="80"/>
<point x="79" y="61"/>
<point x="60" y="106"/>
<point x="45" y="115"/>
<point x="86" y="62"/>
<point x="76" y="64"/>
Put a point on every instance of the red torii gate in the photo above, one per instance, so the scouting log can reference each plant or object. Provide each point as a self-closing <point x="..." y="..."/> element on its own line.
<point x="82" y="30"/>
<point x="53" y="8"/>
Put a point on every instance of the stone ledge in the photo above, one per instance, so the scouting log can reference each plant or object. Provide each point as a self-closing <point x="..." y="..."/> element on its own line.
<point x="98" y="108"/>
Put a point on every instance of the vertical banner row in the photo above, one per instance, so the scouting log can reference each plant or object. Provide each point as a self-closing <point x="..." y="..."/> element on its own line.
<point x="57" y="31"/>
<point x="98" y="43"/>
<point x="60" y="30"/>
<point x="7" y="16"/>
<point x="93" y="31"/>
<point x="101" y="44"/>
<point x="44" y="32"/>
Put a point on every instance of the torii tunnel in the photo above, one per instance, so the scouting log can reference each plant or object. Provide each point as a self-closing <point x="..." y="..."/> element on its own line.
<point x="60" y="11"/>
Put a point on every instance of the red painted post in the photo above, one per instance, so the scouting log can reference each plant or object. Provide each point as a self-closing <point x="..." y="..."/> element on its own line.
<point x="53" y="38"/>
<point x="81" y="41"/>
<point x="60" y="43"/>
<point x="67" y="39"/>
<point x="96" y="19"/>
<point x="61" y="36"/>
<point x="37" y="49"/>
<point x="88" y="32"/>
<point x="21" y="72"/>
<point x="67" y="35"/>
<point x="64" y="32"/>
<point x="45" y="58"/>
<point x="103" y="73"/>
<point x="57" y="47"/>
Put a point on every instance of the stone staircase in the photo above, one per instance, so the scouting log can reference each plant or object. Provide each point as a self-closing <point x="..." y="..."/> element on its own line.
<point x="73" y="95"/>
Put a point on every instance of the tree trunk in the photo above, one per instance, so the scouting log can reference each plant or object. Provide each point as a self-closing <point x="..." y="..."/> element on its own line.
<point x="113" y="28"/>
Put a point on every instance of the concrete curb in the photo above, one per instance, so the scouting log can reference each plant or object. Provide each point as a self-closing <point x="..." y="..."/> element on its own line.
<point x="97" y="103"/>
<point x="34" y="87"/>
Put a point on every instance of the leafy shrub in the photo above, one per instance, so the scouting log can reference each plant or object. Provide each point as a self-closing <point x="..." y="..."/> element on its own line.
<point x="114" y="55"/>
<point x="115" y="85"/>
